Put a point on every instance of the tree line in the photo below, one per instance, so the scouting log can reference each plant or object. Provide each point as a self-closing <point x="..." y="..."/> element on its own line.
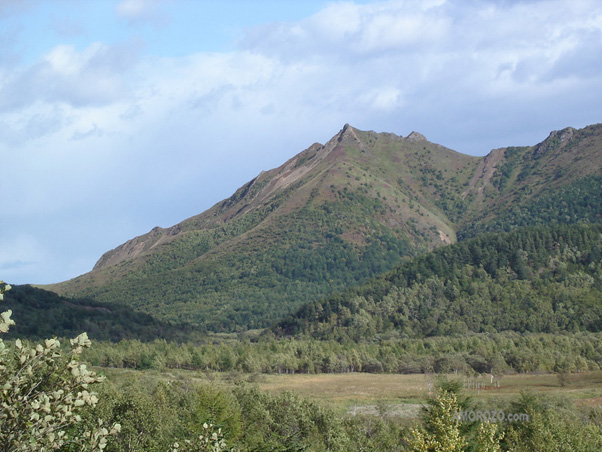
<point x="474" y="354"/>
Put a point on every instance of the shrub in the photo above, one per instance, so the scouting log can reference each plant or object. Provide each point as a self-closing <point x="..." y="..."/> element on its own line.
<point x="42" y="393"/>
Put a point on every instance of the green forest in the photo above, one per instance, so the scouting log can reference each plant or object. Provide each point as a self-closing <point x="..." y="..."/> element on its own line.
<point x="532" y="280"/>
<point x="53" y="402"/>
<point x="579" y="202"/>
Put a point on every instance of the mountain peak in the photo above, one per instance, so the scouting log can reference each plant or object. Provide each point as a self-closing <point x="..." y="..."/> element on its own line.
<point x="416" y="137"/>
<point x="348" y="132"/>
<point x="563" y="135"/>
<point x="347" y="129"/>
<point x="557" y="139"/>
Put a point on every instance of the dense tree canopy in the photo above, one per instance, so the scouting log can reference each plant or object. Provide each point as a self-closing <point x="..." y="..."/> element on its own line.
<point x="537" y="279"/>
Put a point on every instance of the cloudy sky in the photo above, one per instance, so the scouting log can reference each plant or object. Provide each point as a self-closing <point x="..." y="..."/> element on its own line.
<point x="118" y="116"/>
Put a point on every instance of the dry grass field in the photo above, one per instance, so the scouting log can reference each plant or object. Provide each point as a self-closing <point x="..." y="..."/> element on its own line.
<point x="390" y="394"/>
<point x="364" y="386"/>
<point x="402" y="395"/>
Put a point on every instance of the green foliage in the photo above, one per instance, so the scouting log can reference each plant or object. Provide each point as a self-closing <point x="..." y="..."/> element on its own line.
<point x="579" y="202"/>
<point x="539" y="279"/>
<point x="489" y="437"/>
<point x="300" y="259"/>
<point x="506" y="171"/>
<point x="210" y="417"/>
<point x="546" y="424"/>
<point x="288" y="423"/>
<point x="156" y="416"/>
<point x="553" y="426"/>
<point x="476" y="353"/>
<point x="442" y="430"/>
<point x="211" y="440"/>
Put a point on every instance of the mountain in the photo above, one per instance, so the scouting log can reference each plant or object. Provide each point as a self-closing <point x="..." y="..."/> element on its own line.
<point x="556" y="181"/>
<point x="336" y="215"/>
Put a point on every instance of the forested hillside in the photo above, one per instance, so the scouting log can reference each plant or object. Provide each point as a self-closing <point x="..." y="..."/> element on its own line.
<point x="535" y="279"/>
<point x="578" y="202"/>
<point x="44" y="314"/>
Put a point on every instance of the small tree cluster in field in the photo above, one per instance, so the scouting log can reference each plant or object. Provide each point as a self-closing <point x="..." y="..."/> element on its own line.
<point x="42" y="393"/>
<point x="442" y="429"/>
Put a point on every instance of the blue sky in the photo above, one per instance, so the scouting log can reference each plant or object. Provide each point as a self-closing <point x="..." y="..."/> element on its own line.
<point x="118" y="116"/>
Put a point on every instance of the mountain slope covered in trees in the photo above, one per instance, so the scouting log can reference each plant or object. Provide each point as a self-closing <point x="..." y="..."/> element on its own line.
<point x="532" y="280"/>
<point x="335" y="216"/>
<point x="44" y="314"/>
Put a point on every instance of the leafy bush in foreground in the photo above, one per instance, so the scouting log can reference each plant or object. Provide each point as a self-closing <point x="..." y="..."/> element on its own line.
<point x="42" y="392"/>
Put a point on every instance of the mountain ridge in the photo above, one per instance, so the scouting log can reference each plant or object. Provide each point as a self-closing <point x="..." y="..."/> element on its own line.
<point x="294" y="163"/>
<point x="258" y="189"/>
<point x="329" y="217"/>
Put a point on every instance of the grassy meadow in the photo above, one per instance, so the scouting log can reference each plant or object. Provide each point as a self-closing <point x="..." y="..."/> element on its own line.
<point x="392" y="395"/>
<point x="349" y="391"/>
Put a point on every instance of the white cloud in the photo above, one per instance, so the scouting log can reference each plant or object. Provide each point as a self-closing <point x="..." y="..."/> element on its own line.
<point x="133" y="8"/>
<point x="94" y="132"/>
<point x="376" y="57"/>
<point x="65" y="87"/>
<point x="383" y="98"/>
<point x="487" y="46"/>
<point x="346" y="29"/>
<point x="96" y="76"/>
